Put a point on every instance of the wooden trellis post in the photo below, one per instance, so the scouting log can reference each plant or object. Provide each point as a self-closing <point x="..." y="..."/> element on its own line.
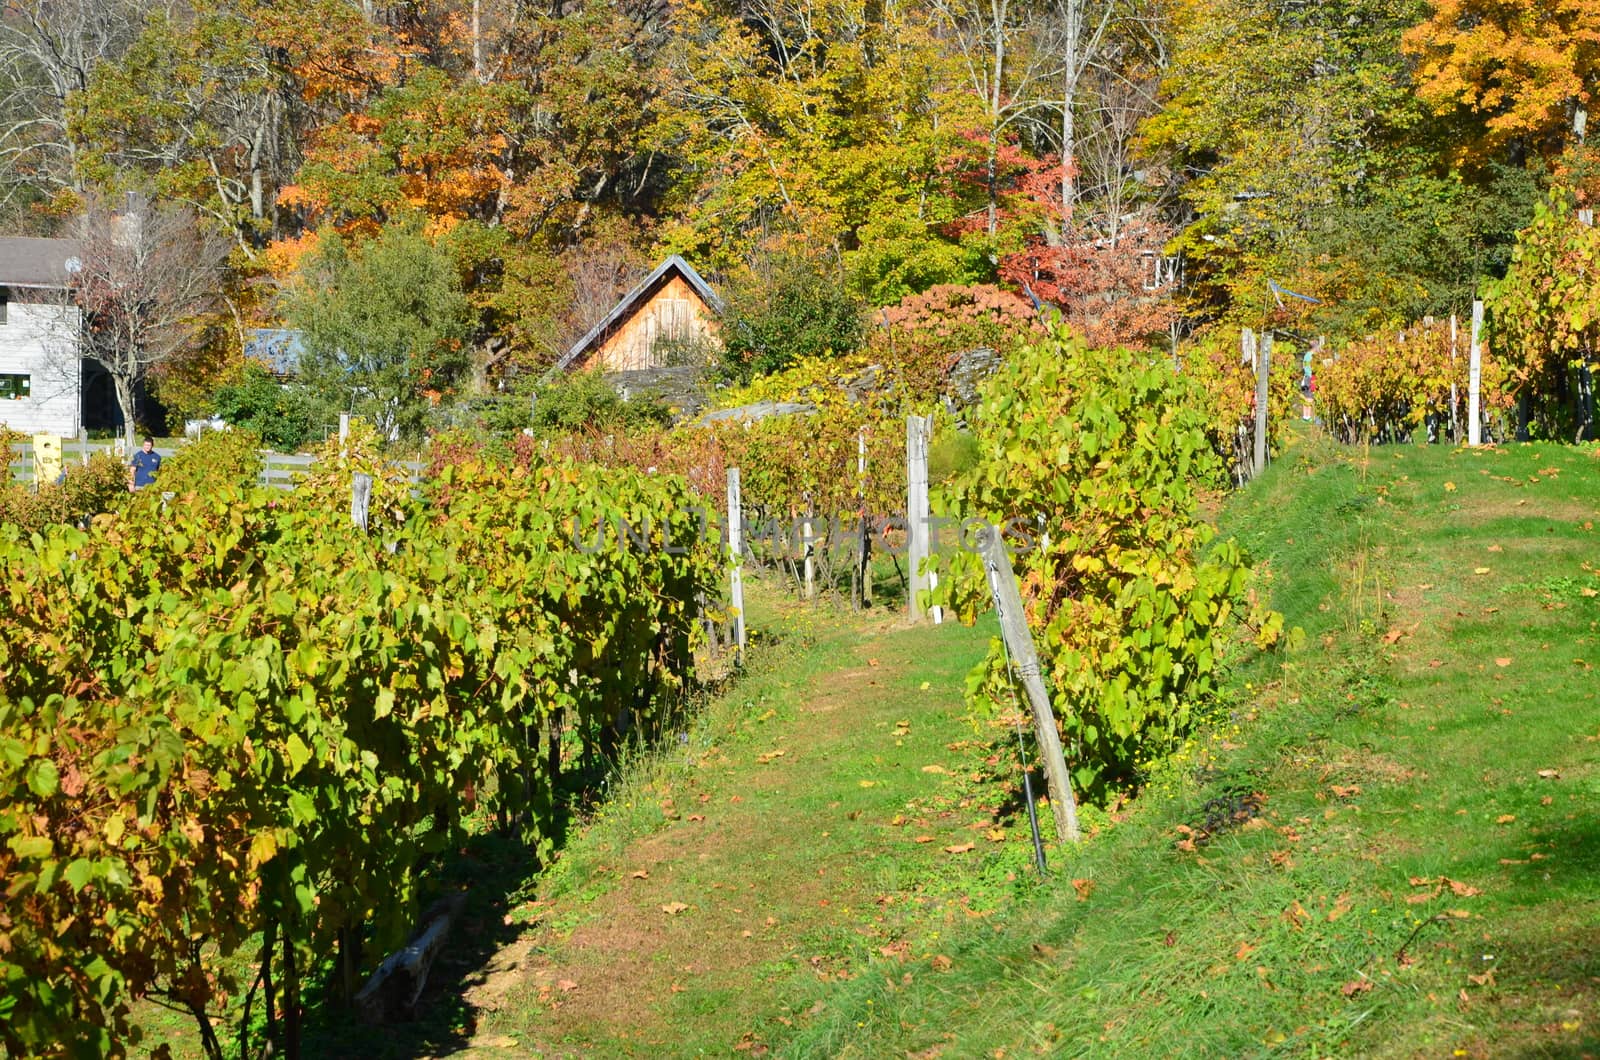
<point x="1025" y="659"/>
<point x="1475" y="378"/>
<point x="736" y="552"/>
<point x="1263" y="370"/>
<point x="917" y="507"/>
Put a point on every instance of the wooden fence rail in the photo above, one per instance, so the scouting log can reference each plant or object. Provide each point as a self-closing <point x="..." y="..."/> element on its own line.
<point x="278" y="471"/>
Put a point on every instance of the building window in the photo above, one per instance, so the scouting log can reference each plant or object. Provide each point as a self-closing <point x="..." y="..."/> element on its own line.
<point x="15" y="387"/>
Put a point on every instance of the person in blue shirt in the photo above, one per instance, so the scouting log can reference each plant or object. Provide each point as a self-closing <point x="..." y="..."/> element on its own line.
<point x="146" y="462"/>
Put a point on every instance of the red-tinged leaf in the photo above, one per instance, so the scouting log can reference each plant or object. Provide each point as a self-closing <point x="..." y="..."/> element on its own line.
<point x="697" y="817"/>
<point x="923" y="839"/>
<point x="1244" y="950"/>
<point x="1463" y="890"/>
<point x="1084" y="888"/>
<point x="1346" y="793"/>
<point x="941" y="963"/>
<point x="1505" y="818"/>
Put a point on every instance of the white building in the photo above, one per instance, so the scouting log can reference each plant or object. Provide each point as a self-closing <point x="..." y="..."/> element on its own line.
<point x="41" y="373"/>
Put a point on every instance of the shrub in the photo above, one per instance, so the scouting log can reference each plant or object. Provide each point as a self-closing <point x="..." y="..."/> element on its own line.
<point x="1096" y="457"/>
<point x="281" y="416"/>
<point x="215" y="460"/>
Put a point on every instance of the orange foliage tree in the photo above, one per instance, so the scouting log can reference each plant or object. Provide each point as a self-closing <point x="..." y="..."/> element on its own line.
<point x="1522" y="67"/>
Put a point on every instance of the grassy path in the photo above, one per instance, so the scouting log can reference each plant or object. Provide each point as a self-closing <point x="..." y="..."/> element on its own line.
<point x="801" y="826"/>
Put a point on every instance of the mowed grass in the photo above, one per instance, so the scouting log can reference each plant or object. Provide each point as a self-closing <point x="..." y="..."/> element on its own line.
<point x="1388" y="847"/>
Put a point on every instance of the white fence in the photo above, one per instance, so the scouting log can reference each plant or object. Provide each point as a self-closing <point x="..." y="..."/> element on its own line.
<point x="279" y="470"/>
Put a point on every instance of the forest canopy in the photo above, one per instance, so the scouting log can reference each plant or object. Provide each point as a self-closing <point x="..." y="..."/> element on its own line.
<point x="1150" y="167"/>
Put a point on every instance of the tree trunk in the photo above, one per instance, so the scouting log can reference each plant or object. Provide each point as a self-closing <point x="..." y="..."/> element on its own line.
<point x="125" y="403"/>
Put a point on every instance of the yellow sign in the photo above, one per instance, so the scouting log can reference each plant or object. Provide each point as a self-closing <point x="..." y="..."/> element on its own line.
<point x="46" y="458"/>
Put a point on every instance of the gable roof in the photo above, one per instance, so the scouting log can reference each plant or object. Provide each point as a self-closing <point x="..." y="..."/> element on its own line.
<point x="30" y="261"/>
<point x="631" y="302"/>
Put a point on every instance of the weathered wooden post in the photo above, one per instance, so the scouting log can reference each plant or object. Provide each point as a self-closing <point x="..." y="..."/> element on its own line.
<point x="1025" y="660"/>
<point x="865" y="558"/>
<point x="83" y="445"/>
<point x="1475" y="378"/>
<point x="736" y="550"/>
<point x="344" y="429"/>
<point x="1263" y="370"/>
<point x="1455" y="419"/>
<point x="360" y="497"/>
<point x="917" y="507"/>
<point x="808" y="543"/>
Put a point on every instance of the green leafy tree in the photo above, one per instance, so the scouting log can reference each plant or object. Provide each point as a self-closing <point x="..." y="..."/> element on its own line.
<point x="791" y="310"/>
<point x="385" y="326"/>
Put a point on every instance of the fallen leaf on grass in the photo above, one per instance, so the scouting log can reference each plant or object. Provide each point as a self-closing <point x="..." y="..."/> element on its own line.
<point x="1346" y="793"/>
<point x="641" y="874"/>
<point x="1356" y="986"/>
<point x="697" y="817"/>
<point x="1495" y="548"/>
<point x="1394" y="635"/>
<point x="959" y="848"/>
<point x="1340" y="908"/>
<point x="566" y="986"/>
<point x="1244" y="950"/>
<point x="770" y="755"/>
<point x="935" y="769"/>
<point x="1480" y="570"/>
<point x="867" y="783"/>
<point x="1449" y="487"/>
<point x="923" y="839"/>
<point x="1586" y="591"/>
<point x="1420" y="897"/>
<point x="941" y="963"/>
<point x="1486" y="979"/>
<point x="995" y="835"/>
<point x="1502" y="661"/>
<point x="1084" y="888"/>
<point x="1505" y="818"/>
<point x="1459" y="889"/>
<point x="678" y="988"/>
<point x="1549" y="774"/>
<point x="1296" y="914"/>
<point x="674" y="908"/>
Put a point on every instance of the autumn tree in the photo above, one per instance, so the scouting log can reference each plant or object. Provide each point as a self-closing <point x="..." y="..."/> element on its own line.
<point x="148" y="278"/>
<point x="213" y="102"/>
<point x="824" y="128"/>
<point x="49" y="51"/>
<point x="1526" y="70"/>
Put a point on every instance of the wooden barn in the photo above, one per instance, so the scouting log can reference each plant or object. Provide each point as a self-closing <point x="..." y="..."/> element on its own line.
<point x="671" y="305"/>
